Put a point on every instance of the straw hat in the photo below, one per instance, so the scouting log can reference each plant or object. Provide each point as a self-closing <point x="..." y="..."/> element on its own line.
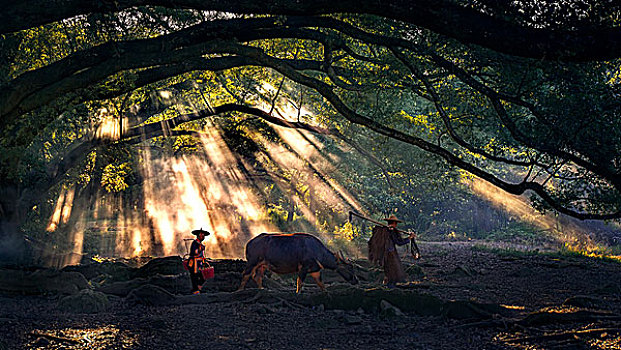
<point x="199" y="231"/>
<point x="392" y="218"/>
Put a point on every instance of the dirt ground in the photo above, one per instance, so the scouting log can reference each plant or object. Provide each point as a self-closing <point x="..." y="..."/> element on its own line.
<point x="461" y="297"/>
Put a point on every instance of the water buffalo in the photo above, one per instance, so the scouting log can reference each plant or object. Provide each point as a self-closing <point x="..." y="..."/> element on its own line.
<point x="299" y="253"/>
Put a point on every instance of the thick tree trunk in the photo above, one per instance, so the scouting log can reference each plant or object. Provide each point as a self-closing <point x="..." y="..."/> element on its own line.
<point x="12" y="245"/>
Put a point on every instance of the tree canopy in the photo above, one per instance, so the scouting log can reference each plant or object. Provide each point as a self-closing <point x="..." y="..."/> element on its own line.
<point x="523" y="95"/>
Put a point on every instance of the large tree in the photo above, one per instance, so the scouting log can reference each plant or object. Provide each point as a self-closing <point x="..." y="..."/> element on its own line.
<point x="522" y="95"/>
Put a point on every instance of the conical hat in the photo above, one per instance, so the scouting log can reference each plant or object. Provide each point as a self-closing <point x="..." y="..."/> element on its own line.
<point x="197" y="232"/>
<point x="392" y="218"/>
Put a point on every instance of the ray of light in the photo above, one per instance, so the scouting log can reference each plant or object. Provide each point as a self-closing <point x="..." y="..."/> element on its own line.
<point x="209" y="192"/>
<point x="568" y="233"/>
<point x="55" y="218"/>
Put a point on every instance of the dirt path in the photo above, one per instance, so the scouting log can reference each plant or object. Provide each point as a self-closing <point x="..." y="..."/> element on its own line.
<point x="530" y="288"/>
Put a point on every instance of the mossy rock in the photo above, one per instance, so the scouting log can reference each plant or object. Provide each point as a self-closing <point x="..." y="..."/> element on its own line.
<point x="87" y="301"/>
<point x="117" y="271"/>
<point x="42" y="281"/>
<point x="170" y="265"/>
<point x="411" y="301"/>
<point x="150" y="295"/>
<point x="350" y="298"/>
<point x="177" y="284"/>
<point x="463" y="271"/>
<point x="387" y="310"/>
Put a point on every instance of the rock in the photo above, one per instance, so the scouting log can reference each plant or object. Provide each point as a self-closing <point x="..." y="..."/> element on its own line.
<point x="585" y="301"/>
<point x="116" y="271"/>
<point x="374" y="275"/>
<point x="100" y="280"/>
<point x="389" y="310"/>
<point x="463" y="271"/>
<point x="178" y="284"/>
<point x="414" y="271"/>
<point x="352" y="298"/>
<point x="352" y="319"/>
<point x="170" y="265"/>
<point x="150" y="295"/>
<point x="465" y="309"/>
<point x="87" y="301"/>
<point x="42" y="281"/>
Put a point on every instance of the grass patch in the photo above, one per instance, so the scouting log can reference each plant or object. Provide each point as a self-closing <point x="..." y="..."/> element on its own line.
<point x="608" y="255"/>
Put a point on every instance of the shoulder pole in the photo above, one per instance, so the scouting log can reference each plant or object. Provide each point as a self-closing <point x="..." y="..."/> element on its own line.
<point x="413" y="246"/>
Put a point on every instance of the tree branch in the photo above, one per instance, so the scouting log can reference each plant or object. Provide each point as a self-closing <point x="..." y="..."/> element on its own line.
<point x="446" y="17"/>
<point x="326" y="91"/>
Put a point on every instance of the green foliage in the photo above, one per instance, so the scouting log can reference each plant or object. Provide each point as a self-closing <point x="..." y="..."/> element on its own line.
<point x="576" y="111"/>
<point x="114" y="177"/>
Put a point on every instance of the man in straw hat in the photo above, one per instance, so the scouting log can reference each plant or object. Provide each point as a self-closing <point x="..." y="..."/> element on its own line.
<point x="383" y="250"/>
<point x="197" y="259"/>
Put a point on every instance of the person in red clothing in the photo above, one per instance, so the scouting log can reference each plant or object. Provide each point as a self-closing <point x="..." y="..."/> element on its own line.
<point x="197" y="260"/>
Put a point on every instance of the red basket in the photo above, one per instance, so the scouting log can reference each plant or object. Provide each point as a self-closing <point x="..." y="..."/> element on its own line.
<point x="185" y="263"/>
<point x="207" y="272"/>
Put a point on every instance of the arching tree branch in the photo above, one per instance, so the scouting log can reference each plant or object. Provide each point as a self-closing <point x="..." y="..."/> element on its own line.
<point x="446" y="17"/>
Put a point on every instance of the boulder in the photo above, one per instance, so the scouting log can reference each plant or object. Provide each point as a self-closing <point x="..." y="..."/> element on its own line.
<point x="387" y="310"/>
<point x="170" y="265"/>
<point x="346" y="297"/>
<point x="352" y="319"/>
<point x="87" y="301"/>
<point x="463" y="271"/>
<point x="408" y="300"/>
<point x="113" y="270"/>
<point x="150" y="295"/>
<point x="42" y="281"/>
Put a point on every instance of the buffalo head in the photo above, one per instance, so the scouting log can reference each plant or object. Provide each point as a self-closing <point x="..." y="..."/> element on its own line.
<point x="345" y="268"/>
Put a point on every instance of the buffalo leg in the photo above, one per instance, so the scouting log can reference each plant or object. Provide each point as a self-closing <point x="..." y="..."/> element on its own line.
<point x="248" y="272"/>
<point x="317" y="277"/>
<point x="258" y="275"/>
<point x="301" y="277"/>
<point x="298" y="285"/>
